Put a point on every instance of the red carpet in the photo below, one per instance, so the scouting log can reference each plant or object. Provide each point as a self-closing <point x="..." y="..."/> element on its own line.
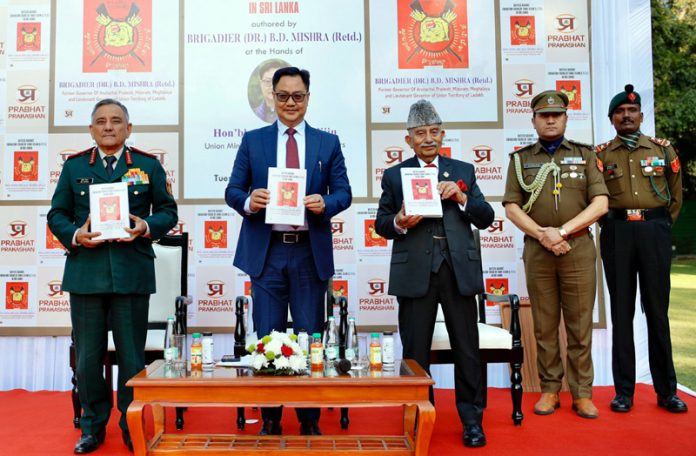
<point x="40" y="423"/>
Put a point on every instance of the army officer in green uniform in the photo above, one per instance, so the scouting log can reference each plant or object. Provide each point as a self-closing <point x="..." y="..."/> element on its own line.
<point x="109" y="280"/>
<point x="643" y="176"/>
<point x="554" y="191"/>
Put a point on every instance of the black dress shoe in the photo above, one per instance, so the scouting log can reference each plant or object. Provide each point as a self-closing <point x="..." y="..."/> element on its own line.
<point x="309" y="427"/>
<point x="474" y="436"/>
<point x="621" y="403"/>
<point x="127" y="440"/>
<point x="672" y="403"/>
<point x="271" y="427"/>
<point x="89" y="442"/>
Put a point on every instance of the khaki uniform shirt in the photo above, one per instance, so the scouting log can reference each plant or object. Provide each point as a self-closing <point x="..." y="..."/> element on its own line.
<point x="645" y="178"/>
<point x="580" y="177"/>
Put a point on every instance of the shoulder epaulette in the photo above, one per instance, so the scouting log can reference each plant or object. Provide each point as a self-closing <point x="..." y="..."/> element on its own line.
<point x="578" y="143"/>
<point x="521" y="149"/>
<point x="603" y="146"/>
<point x="142" y="152"/>
<point x="86" y="151"/>
<point x="662" y="142"/>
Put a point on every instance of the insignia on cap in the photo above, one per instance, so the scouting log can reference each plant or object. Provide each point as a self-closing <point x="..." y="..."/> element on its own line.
<point x="550" y="100"/>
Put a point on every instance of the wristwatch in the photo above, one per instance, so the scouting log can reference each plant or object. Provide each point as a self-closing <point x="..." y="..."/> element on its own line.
<point x="563" y="232"/>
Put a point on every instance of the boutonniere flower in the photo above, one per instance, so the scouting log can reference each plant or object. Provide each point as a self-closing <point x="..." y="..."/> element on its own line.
<point x="462" y="185"/>
<point x="278" y="354"/>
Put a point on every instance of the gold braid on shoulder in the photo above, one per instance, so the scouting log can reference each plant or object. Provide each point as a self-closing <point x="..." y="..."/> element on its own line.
<point x="535" y="187"/>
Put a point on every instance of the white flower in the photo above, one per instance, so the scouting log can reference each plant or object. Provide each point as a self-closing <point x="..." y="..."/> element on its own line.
<point x="258" y="361"/>
<point x="281" y="363"/>
<point x="298" y="363"/>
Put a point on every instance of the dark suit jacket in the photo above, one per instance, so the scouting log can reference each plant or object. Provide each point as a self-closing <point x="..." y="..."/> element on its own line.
<point x="411" y="260"/>
<point x="113" y="267"/>
<point x="326" y="175"/>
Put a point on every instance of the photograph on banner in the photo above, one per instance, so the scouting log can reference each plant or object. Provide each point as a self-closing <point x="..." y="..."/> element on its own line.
<point x="522" y="31"/>
<point x="215" y="234"/>
<point x="440" y="50"/>
<point x="213" y="304"/>
<point x="186" y="223"/>
<point x="25" y="167"/>
<point x="574" y="81"/>
<point x="28" y="29"/>
<point x="165" y="147"/>
<point x="237" y="60"/>
<point x="27" y="101"/>
<point x="567" y="31"/>
<point x="498" y="279"/>
<point x="19" y="305"/>
<point x="18" y="235"/>
<point x="371" y="247"/>
<point x="48" y="248"/>
<point x="375" y="305"/>
<point x="343" y="237"/>
<point x="54" y="303"/>
<point x="344" y="285"/>
<point x="60" y="147"/>
<point x="485" y="149"/>
<point x="521" y="83"/>
<point x="125" y="50"/>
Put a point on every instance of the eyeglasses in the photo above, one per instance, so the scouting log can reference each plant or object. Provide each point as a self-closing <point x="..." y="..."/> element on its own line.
<point x="297" y="97"/>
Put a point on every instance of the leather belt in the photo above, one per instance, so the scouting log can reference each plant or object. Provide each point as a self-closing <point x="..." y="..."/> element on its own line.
<point x="439" y="237"/>
<point x="579" y="233"/>
<point x="637" y="215"/>
<point x="290" y="237"/>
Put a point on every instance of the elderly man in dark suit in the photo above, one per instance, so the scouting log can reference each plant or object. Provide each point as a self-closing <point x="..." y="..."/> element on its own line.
<point x="436" y="261"/>
<point x="109" y="280"/>
<point x="288" y="265"/>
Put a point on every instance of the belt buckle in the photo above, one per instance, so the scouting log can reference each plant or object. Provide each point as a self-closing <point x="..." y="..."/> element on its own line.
<point x="635" y="215"/>
<point x="290" y="238"/>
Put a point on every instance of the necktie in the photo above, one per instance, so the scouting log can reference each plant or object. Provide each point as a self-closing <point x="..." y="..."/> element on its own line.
<point x="292" y="158"/>
<point x="431" y="165"/>
<point x="110" y="160"/>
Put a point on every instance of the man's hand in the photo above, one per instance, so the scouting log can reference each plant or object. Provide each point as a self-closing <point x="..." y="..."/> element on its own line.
<point x="259" y="199"/>
<point x="450" y="190"/>
<point x="561" y="248"/>
<point x="550" y="236"/>
<point x="314" y="203"/>
<point x="406" y="221"/>
<point x="138" y="230"/>
<point x="84" y="237"/>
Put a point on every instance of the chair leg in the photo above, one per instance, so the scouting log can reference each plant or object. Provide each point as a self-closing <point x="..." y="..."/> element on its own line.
<point x="484" y="383"/>
<point x="344" y="418"/>
<point x="516" y="391"/>
<point x="180" y="418"/>
<point x="241" y="420"/>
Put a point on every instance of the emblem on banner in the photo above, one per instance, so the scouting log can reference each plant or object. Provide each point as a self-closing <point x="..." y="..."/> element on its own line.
<point x="497" y="226"/>
<point x="522" y="31"/>
<point x="55" y="289"/>
<point x="375" y="287"/>
<point x="28" y="36"/>
<point x="572" y="89"/>
<point x="16" y="295"/>
<point x="446" y="152"/>
<point x="17" y="229"/>
<point x="482" y="154"/>
<point x="372" y="239"/>
<point x="117" y="36"/>
<point x="497" y="286"/>
<point x="524" y="88"/>
<point x="215" y="234"/>
<point x="565" y="23"/>
<point x="216" y="288"/>
<point x="52" y="241"/>
<point x="340" y="288"/>
<point x="26" y="166"/>
<point x="337" y="226"/>
<point x="394" y="154"/>
<point x="433" y="33"/>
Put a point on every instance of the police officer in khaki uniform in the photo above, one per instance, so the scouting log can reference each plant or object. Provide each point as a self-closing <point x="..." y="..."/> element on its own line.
<point x="554" y="191"/>
<point x="643" y="176"/>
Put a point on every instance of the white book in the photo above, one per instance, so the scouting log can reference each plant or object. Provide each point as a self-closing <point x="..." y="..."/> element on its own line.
<point x="109" y="210"/>
<point x="287" y="187"/>
<point x="419" y="186"/>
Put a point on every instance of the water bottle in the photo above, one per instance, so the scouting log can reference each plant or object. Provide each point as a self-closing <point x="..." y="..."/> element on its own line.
<point x="303" y="341"/>
<point x="351" y="340"/>
<point x="207" y="349"/>
<point x="331" y="341"/>
<point x="388" y="349"/>
<point x="169" y="349"/>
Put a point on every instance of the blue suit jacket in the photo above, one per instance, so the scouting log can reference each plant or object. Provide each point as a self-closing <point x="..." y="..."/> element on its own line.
<point x="326" y="176"/>
<point x="409" y="274"/>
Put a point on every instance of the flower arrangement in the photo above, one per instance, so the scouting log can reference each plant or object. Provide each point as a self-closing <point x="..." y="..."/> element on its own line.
<point x="279" y="354"/>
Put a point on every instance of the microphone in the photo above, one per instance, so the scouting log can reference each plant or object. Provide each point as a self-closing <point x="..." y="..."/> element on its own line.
<point x="342" y="366"/>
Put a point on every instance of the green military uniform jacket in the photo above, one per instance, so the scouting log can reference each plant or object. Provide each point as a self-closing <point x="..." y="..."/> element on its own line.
<point x="646" y="177"/>
<point x="580" y="179"/>
<point x="112" y="267"/>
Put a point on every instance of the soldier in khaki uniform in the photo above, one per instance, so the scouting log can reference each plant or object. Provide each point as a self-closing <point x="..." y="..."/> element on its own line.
<point x="643" y="176"/>
<point x="554" y="191"/>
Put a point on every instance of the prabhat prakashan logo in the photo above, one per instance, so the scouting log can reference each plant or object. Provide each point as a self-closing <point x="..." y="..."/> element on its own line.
<point x="568" y="33"/>
<point x="28" y="36"/>
<point x="117" y="36"/>
<point x="26" y="166"/>
<point x="393" y="155"/>
<point x="160" y="154"/>
<point x="17" y="229"/>
<point x="216" y="288"/>
<point x="573" y="90"/>
<point x="523" y="88"/>
<point x="498" y="226"/>
<point x="433" y="33"/>
<point x="215" y="234"/>
<point x="482" y="154"/>
<point x="565" y="23"/>
<point x="522" y="30"/>
<point x="376" y="287"/>
<point x="63" y="155"/>
<point x="178" y="229"/>
<point x="337" y="226"/>
<point x="16" y="295"/>
<point x="496" y="236"/>
<point x="27" y="94"/>
<point x="55" y="289"/>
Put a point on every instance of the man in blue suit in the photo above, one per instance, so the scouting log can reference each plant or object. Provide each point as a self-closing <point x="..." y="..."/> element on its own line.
<point x="436" y="260"/>
<point x="288" y="264"/>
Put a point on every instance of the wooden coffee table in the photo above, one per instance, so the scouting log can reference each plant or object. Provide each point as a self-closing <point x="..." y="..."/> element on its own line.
<point x="159" y="387"/>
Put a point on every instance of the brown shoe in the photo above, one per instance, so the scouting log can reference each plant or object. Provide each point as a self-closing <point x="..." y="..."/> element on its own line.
<point x="547" y="404"/>
<point x="585" y="408"/>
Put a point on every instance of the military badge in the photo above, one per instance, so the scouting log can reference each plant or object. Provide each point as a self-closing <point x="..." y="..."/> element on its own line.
<point x="675" y="165"/>
<point x="571" y="89"/>
<point x="16" y="295"/>
<point x="26" y="166"/>
<point x="28" y="36"/>
<point x="215" y="234"/>
<point x="522" y="31"/>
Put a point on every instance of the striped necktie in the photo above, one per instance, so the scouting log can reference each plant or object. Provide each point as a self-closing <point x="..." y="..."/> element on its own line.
<point x="631" y="140"/>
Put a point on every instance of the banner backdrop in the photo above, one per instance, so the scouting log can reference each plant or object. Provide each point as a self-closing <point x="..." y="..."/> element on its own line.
<point x="196" y="76"/>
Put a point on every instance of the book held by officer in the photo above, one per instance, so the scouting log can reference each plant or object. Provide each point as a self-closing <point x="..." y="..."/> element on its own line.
<point x="419" y="186"/>
<point x="108" y="210"/>
<point x="287" y="187"/>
